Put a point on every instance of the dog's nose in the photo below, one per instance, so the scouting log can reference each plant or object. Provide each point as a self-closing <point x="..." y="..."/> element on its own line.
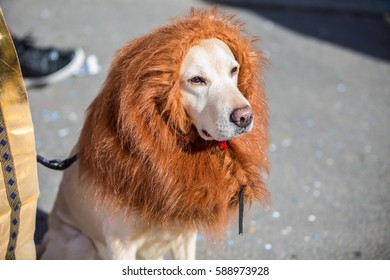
<point x="242" y="117"/>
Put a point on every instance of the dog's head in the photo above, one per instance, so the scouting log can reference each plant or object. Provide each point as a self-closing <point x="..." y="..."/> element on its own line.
<point x="198" y="76"/>
<point x="210" y="94"/>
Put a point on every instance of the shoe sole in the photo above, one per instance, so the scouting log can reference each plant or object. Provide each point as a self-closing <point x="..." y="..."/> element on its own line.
<point x="62" y="74"/>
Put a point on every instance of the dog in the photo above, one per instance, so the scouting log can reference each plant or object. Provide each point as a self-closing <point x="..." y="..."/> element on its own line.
<point x="179" y="127"/>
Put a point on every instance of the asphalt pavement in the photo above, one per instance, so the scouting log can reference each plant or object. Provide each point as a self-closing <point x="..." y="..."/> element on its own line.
<point x="328" y="88"/>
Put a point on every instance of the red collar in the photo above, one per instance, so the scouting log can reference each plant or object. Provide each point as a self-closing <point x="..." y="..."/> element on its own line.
<point x="224" y="145"/>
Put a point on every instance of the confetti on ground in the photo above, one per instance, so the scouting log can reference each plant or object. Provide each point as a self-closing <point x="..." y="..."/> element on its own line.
<point x="275" y="214"/>
<point x="317" y="184"/>
<point x="317" y="236"/>
<point x="311" y="218"/>
<point x="230" y="242"/>
<point x="268" y="246"/>
<point x="63" y="132"/>
<point x="272" y="148"/>
<point x="286" y="230"/>
<point x="50" y="116"/>
<point x="286" y="142"/>
<point x="252" y="229"/>
<point x="73" y="116"/>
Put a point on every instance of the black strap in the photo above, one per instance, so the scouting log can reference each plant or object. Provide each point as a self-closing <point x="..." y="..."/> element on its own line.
<point x="57" y="164"/>
<point x="241" y="210"/>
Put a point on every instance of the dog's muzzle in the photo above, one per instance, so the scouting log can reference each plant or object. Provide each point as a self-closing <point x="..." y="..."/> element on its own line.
<point x="242" y="117"/>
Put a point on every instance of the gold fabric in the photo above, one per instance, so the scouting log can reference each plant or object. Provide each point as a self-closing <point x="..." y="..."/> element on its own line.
<point x="18" y="171"/>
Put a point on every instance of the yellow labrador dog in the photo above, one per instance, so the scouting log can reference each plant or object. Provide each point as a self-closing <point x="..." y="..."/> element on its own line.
<point x="80" y="227"/>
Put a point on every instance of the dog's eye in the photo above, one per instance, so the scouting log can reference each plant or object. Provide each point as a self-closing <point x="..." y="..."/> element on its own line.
<point x="197" y="80"/>
<point x="234" y="70"/>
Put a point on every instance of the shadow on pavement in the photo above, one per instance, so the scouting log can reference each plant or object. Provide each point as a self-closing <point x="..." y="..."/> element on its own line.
<point x="364" y="28"/>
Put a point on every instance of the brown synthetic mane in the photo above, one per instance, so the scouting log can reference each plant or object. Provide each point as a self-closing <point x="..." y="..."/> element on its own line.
<point x="139" y="148"/>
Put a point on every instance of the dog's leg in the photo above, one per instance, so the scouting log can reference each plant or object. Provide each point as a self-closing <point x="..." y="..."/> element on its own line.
<point x="119" y="249"/>
<point x="119" y="237"/>
<point x="184" y="247"/>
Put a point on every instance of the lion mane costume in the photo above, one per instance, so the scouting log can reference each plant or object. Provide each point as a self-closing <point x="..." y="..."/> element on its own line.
<point x="141" y="151"/>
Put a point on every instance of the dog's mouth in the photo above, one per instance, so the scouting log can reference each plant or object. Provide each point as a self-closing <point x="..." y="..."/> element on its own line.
<point x="207" y="136"/>
<point x="205" y="133"/>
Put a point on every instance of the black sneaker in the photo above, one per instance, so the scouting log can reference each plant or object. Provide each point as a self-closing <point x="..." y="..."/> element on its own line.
<point x="42" y="66"/>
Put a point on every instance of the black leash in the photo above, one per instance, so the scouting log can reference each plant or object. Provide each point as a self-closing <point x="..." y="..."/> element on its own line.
<point x="241" y="211"/>
<point x="57" y="164"/>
